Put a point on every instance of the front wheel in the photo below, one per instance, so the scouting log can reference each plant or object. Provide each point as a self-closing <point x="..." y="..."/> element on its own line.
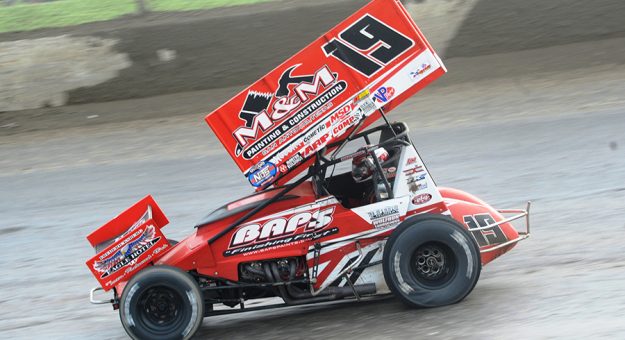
<point x="431" y="261"/>
<point x="161" y="302"/>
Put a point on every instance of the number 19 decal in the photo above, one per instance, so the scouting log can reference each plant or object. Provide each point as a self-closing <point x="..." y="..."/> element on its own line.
<point x="485" y="237"/>
<point x="368" y="45"/>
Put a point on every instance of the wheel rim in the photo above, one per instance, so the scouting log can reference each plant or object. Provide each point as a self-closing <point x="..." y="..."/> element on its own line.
<point x="433" y="264"/>
<point x="161" y="309"/>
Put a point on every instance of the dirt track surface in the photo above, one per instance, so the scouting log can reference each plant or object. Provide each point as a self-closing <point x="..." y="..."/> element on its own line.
<point x="555" y="138"/>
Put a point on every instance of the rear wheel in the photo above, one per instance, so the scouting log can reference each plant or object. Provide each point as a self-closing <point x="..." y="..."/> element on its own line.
<point x="161" y="302"/>
<point x="430" y="261"/>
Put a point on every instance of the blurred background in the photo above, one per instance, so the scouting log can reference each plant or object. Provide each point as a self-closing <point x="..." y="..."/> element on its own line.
<point x="102" y="102"/>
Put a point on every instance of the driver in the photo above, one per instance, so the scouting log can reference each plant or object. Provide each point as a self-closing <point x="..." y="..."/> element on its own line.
<point x="363" y="168"/>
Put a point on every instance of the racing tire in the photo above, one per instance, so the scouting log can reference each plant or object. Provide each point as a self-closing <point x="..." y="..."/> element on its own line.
<point x="431" y="261"/>
<point x="161" y="302"/>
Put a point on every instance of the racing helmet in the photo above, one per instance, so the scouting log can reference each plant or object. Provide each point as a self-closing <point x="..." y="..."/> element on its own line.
<point x="363" y="165"/>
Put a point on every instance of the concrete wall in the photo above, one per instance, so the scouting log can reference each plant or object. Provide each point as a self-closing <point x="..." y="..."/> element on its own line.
<point x="160" y="54"/>
<point x="40" y="72"/>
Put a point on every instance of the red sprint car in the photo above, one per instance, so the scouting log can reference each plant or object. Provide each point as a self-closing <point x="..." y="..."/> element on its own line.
<point x="341" y="209"/>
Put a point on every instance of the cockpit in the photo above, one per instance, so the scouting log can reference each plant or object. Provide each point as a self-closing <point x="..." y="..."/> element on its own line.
<point x="373" y="168"/>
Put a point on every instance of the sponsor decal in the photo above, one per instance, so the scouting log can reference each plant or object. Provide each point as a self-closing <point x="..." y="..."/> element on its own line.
<point x="297" y="97"/>
<point x="290" y="163"/>
<point x="413" y="171"/>
<point x="421" y="199"/>
<point x="294" y="161"/>
<point x="291" y="239"/>
<point x="414" y="75"/>
<point x="364" y="105"/>
<point x="144" y="218"/>
<point x="137" y="265"/>
<point x="414" y="186"/>
<point x="280" y="231"/>
<point x="382" y="212"/>
<point x="337" y="124"/>
<point x="264" y="172"/>
<point x="411" y="160"/>
<point x="316" y="137"/>
<point x="384" y="94"/>
<point x="416" y="178"/>
<point x="126" y="252"/>
<point x="384" y="218"/>
<point x="346" y="109"/>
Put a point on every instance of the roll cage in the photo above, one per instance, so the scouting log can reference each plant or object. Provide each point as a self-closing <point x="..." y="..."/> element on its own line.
<point x="391" y="134"/>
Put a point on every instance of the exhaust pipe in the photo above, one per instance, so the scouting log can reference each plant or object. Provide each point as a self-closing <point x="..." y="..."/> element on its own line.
<point x="295" y="296"/>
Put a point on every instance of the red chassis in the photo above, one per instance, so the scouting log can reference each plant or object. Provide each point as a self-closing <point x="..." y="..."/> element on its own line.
<point x="309" y="217"/>
<point x="383" y="227"/>
<point x="320" y="238"/>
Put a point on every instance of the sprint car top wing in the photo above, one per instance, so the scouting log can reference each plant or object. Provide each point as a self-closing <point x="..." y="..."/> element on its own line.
<point x="376" y="58"/>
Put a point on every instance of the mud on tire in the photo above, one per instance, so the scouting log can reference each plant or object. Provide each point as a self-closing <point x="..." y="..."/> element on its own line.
<point x="431" y="261"/>
<point x="161" y="302"/>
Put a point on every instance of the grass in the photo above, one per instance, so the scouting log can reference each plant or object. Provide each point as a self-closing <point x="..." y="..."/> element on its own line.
<point x="188" y="5"/>
<point x="60" y="13"/>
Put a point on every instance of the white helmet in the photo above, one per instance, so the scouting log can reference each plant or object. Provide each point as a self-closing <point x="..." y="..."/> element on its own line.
<point x="363" y="165"/>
